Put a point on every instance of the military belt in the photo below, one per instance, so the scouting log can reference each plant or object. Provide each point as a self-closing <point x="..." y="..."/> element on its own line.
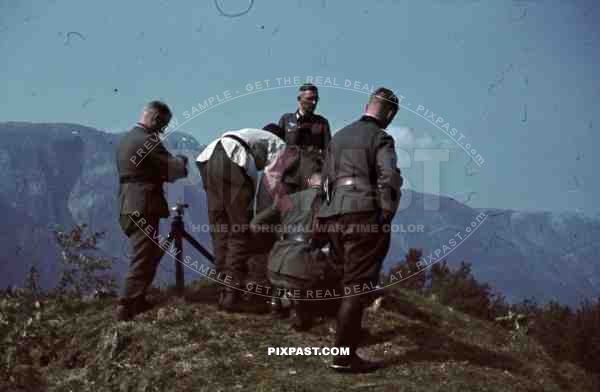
<point x="355" y="181"/>
<point x="298" y="237"/>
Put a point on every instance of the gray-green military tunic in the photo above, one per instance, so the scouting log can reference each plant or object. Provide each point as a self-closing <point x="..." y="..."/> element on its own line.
<point x="293" y="263"/>
<point x="144" y="165"/>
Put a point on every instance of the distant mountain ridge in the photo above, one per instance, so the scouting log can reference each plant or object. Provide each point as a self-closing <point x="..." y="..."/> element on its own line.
<point x="65" y="173"/>
<point x="544" y="255"/>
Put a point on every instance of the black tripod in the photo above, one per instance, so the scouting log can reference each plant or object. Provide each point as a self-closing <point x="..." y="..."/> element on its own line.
<point x="176" y="236"/>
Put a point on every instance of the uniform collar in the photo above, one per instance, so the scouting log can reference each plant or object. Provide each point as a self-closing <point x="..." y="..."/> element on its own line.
<point x="372" y="119"/>
<point x="306" y="115"/>
<point x="146" y="129"/>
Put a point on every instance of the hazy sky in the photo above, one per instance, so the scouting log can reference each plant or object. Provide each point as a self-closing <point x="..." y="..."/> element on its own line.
<point x="518" y="79"/>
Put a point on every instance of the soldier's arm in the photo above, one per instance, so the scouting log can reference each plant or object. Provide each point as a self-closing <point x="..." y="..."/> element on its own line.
<point x="389" y="179"/>
<point x="168" y="167"/>
<point x="328" y="170"/>
<point x="282" y="126"/>
<point x="327" y="134"/>
<point x="270" y="216"/>
<point x="273" y="176"/>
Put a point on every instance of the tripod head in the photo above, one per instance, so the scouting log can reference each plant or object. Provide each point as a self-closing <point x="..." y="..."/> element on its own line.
<point x="179" y="208"/>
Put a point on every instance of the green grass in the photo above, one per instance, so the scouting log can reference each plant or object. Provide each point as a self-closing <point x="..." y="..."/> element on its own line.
<point x="189" y="345"/>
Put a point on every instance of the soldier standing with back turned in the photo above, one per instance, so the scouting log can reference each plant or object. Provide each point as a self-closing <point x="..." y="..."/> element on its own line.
<point x="362" y="185"/>
<point x="144" y="165"/>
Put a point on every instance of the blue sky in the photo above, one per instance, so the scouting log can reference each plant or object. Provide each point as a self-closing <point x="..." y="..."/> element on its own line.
<point x="518" y="79"/>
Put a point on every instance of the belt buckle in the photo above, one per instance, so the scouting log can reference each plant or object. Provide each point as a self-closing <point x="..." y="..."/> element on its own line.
<point x="345" y="181"/>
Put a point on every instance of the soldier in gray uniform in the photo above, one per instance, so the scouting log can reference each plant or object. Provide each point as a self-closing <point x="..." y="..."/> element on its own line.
<point x="362" y="183"/>
<point x="287" y="174"/>
<point x="144" y="165"/>
<point x="296" y="261"/>
<point x="304" y="123"/>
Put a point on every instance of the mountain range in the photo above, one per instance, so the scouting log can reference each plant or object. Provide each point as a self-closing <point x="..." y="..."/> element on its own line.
<point x="65" y="174"/>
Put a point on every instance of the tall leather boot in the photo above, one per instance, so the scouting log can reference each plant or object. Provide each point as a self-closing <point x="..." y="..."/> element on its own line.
<point x="230" y="300"/>
<point x="278" y="308"/>
<point x="128" y="308"/>
<point x="348" y="334"/>
<point x="304" y="318"/>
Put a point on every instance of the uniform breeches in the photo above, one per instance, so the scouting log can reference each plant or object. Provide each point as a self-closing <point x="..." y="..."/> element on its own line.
<point x="146" y="254"/>
<point x="360" y="244"/>
<point x="230" y="196"/>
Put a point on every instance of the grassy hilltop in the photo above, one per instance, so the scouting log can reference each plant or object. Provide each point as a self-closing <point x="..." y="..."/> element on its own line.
<point x="189" y="345"/>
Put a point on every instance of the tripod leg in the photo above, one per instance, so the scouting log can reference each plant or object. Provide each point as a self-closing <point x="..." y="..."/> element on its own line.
<point x="179" y="278"/>
<point x="198" y="246"/>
